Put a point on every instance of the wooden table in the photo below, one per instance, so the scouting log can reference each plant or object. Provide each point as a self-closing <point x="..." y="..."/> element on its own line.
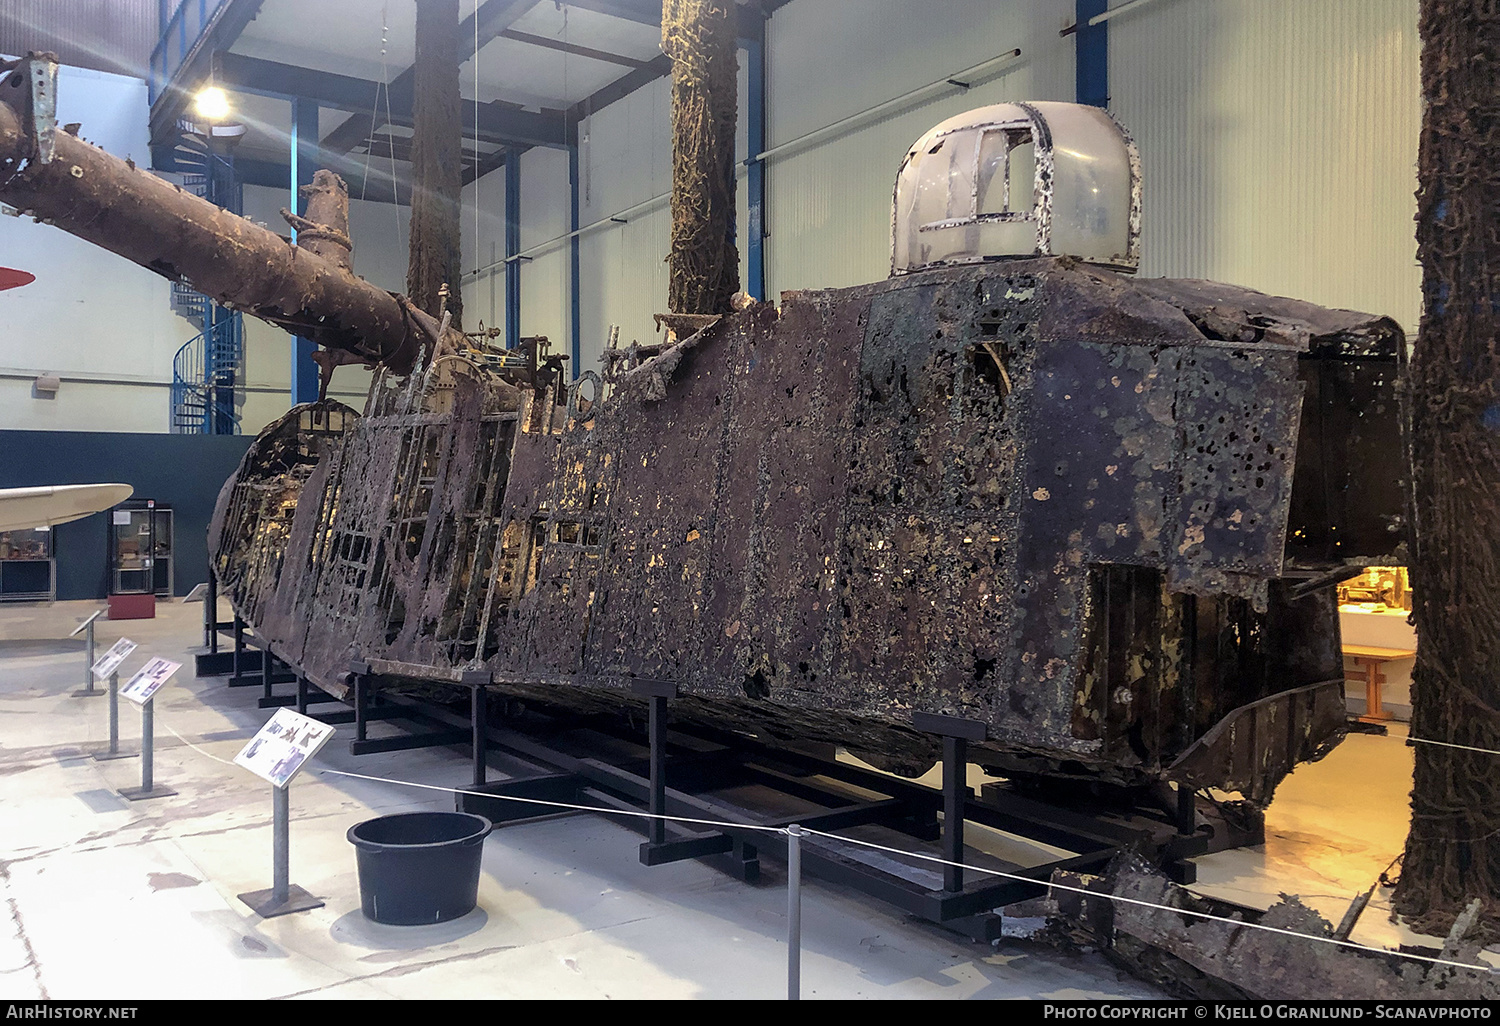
<point x="1367" y="661"/>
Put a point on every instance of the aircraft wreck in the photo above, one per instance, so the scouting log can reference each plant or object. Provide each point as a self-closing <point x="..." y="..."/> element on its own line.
<point x="1097" y="518"/>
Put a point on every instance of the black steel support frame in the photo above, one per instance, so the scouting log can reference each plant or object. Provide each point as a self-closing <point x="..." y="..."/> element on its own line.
<point x="370" y="704"/>
<point x="906" y="806"/>
<point x="703" y="761"/>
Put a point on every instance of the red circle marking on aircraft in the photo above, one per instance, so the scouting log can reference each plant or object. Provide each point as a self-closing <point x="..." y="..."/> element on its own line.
<point x="10" y="278"/>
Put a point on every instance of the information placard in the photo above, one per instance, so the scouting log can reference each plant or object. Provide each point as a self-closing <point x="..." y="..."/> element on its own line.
<point x="280" y="748"/>
<point x="110" y="661"/>
<point x="147" y="679"/>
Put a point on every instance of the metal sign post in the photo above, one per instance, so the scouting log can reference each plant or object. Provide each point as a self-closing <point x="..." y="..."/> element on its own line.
<point x="114" y="723"/>
<point x="148" y="788"/>
<point x="87" y="627"/>
<point x="282" y="897"/>
<point x="276" y="753"/>
<point x="142" y="689"/>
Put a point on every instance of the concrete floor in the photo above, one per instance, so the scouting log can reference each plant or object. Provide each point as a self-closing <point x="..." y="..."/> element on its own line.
<point x="112" y="899"/>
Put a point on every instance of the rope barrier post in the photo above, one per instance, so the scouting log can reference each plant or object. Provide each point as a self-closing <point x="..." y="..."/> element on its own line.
<point x="282" y="898"/>
<point x="956" y="733"/>
<point x="656" y="692"/>
<point x="794" y="835"/>
<point x="114" y="723"/>
<point x="148" y="788"/>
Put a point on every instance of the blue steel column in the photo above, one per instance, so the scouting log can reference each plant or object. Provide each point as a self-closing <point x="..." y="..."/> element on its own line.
<point x="1092" y="51"/>
<point x="304" y="163"/>
<point x="575" y="329"/>
<point x="512" y="248"/>
<point x="755" y="180"/>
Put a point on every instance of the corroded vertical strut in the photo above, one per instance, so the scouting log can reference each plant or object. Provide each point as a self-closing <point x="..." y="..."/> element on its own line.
<point x="1453" y="852"/>
<point x="436" y="161"/>
<point x="699" y="36"/>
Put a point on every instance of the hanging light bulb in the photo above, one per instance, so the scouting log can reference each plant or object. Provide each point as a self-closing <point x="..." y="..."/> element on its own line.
<point x="212" y="104"/>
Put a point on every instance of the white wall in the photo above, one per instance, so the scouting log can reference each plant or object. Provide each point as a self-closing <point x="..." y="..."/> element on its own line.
<point x="545" y="201"/>
<point x="829" y="205"/>
<point x="484" y="246"/>
<point x="625" y="153"/>
<point x="102" y="323"/>
<point x="1279" y="143"/>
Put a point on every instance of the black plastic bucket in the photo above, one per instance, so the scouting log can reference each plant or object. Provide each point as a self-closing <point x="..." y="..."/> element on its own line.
<point x="419" y="867"/>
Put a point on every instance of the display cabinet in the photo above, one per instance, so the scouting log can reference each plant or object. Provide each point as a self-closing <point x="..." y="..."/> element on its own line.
<point x="28" y="565"/>
<point x="140" y="549"/>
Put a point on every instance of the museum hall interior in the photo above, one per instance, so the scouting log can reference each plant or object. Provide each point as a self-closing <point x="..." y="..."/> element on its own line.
<point x="751" y="499"/>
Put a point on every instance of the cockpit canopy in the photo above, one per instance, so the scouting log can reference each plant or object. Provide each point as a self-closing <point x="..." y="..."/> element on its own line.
<point x="1019" y="180"/>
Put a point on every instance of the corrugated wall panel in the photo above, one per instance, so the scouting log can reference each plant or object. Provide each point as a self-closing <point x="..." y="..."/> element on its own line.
<point x="626" y="160"/>
<point x="1279" y="142"/>
<point x="106" y="35"/>
<point x="483" y="244"/>
<point x="829" y="205"/>
<point x="544" y="215"/>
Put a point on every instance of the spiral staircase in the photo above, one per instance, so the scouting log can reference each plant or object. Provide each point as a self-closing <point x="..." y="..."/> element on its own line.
<point x="208" y="367"/>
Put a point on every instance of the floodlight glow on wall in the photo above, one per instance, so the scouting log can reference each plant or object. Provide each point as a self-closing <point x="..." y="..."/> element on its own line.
<point x="212" y="104"/>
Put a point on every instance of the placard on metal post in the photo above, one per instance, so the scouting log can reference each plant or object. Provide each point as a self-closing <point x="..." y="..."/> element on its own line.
<point x="108" y="665"/>
<point x="277" y="753"/>
<point x="87" y="630"/>
<point x="141" y="689"/>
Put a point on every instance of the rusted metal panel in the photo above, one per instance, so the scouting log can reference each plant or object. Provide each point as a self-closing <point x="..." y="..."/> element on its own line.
<point x="1047" y="499"/>
<point x="911" y="497"/>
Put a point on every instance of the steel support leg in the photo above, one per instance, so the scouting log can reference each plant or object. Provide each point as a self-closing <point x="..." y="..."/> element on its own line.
<point x="301" y="694"/>
<point x="239" y="651"/>
<point x="210" y="615"/>
<point x="479" y="706"/>
<point x="658" y="739"/>
<point x="955" y="770"/>
<point x="1187" y="811"/>
<point x="360" y="707"/>
<point x="213" y="612"/>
